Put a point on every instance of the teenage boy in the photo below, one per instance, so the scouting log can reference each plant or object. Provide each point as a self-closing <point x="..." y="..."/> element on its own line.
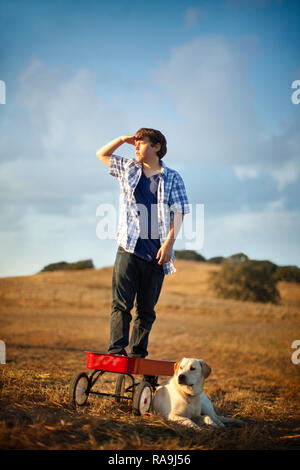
<point x="145" y="253"/>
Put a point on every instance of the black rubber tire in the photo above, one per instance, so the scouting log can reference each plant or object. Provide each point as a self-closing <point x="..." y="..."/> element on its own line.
<point x="79" y="380"/>
<point x="142" y="398"/>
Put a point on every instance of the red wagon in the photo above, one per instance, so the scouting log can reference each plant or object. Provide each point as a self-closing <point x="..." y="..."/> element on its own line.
<point x="139" y="393"/>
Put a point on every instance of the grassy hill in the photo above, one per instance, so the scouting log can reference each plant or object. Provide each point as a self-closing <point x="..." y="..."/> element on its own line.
<point x="49" y="319"/>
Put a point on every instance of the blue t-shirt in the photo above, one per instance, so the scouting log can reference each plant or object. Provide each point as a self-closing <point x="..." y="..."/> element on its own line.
<point x="146" y="193"/>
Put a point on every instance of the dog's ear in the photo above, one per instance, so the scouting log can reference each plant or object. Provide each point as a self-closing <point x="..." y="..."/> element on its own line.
<point x="176" y="367"/>
<point x="206" y="369"/>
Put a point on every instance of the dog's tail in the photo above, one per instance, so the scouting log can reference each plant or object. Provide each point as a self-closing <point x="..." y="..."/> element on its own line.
<point x="231" y="420"/>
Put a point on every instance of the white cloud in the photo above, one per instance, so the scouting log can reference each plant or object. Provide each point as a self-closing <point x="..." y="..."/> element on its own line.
<point x="73" y="119"/>
<point x="60" y="122"/>
<point x="287" y="173"/>
<point x="51" y="181"/>
<point x="272" y="233"/>
<point x="207" y="82"/>
<point x="32" y="237"/>
<point x="244" y="172"/>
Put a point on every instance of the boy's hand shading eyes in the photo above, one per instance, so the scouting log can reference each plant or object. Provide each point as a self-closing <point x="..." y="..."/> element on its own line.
<point x="129" y="139"/>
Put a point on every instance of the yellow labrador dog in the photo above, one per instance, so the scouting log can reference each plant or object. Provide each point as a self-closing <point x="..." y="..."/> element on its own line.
<point x="181" y="398"/>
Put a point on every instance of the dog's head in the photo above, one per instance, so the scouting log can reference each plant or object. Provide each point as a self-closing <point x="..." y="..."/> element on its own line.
<point x="189" y="375"/>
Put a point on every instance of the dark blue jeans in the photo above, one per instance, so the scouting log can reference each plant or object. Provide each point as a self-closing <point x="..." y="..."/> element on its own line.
<point x="139" y="280"/>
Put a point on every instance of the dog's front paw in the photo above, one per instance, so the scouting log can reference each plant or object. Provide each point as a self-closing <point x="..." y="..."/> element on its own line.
<point x="185" y="421"/>
<point x="207" y="420"/>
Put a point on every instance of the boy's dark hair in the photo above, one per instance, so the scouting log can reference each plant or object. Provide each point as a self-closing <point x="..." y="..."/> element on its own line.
<point x="155" y="137"/>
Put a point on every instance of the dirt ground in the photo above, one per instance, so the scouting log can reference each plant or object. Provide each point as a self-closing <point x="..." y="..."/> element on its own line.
<point x="49" y="320"/>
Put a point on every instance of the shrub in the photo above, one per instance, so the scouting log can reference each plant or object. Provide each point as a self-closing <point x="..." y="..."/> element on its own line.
<point x="246" y="280"/>
<point x="287" y="273"/>
<point x="237" y="258"/>
<point x="63" y="266"/>
<point x="189" y="255"/>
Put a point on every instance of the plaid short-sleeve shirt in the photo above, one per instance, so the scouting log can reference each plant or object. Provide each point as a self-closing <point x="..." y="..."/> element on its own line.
<point x="171" y="197"/>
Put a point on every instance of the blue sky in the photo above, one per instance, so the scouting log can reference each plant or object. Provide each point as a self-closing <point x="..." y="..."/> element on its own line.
<point x="215" y="77"/>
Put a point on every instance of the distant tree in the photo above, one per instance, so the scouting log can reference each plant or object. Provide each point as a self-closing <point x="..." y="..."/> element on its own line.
<point x="246" y="280"/>
<point x="237" y="258"/>
<point x="287" y="273"/>
<point x="64" y="266"/>
<point x="271" y="267"/>
<point x="189" y="255"/>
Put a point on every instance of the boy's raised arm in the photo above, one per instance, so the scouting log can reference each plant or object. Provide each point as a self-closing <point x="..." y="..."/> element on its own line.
<point x="105" y="152"/>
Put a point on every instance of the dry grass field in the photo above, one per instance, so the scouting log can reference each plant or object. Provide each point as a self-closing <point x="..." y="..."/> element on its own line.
<point x="48" y="320"/>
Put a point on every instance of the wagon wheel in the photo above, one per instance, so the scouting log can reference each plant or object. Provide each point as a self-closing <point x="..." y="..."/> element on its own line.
<point x="142" y="398"/>
<point x="79" y="389"/>
<point x="122" y="385"/>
